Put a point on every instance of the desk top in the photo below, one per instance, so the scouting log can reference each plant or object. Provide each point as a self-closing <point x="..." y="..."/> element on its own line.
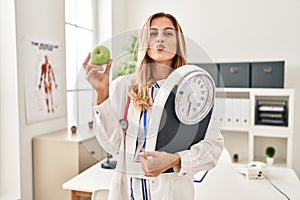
<point x="222" y="182"/>
<point x="90" y="180"/>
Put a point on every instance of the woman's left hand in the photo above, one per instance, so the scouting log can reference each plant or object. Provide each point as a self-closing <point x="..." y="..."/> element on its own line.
<point x="156" y="162"/>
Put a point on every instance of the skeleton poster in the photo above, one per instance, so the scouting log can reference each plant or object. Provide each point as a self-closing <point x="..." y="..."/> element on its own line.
<point x="44" y="80"/>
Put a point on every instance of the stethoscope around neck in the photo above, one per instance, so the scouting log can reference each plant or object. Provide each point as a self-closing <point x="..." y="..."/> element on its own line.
<point x="124" y="121"/>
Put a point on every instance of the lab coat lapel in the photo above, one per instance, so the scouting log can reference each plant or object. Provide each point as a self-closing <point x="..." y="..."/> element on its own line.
<point x="133" y="127"/>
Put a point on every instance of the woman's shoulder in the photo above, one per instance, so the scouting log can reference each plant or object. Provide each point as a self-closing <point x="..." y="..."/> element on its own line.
<point x="124" y="79"/>
<point x="122" y="82"/>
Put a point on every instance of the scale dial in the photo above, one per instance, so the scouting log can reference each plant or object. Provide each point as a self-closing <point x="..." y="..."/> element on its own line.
<point x="194" y="97"/>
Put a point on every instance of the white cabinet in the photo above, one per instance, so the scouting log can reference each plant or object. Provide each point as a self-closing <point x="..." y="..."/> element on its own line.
<point x="246" y="135"/>
<point x="60" y="156"/>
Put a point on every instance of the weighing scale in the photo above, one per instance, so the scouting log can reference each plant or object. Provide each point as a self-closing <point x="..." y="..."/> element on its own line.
<point x="182" y="110"/>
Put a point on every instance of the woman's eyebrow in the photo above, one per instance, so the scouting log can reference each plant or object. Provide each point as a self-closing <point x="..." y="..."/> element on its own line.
<point x="167" y="28"/>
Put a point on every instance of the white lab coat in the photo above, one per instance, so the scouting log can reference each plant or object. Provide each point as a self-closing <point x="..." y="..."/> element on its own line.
<point x="170" y="186"/>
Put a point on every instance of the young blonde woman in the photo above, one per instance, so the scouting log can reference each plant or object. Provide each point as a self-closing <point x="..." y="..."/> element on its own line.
<point x="161" y="50"/>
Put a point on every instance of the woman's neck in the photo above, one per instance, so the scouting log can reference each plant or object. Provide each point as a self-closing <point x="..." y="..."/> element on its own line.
<point x="160" y="71"/>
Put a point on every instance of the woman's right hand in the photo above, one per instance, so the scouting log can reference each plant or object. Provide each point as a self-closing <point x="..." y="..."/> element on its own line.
<point x="98" y="77"/>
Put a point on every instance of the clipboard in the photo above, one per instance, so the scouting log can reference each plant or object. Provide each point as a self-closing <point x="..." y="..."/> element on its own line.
<point x="174" y="136"/>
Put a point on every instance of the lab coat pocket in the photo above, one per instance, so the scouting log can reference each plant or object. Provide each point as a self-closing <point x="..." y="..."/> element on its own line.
<point x="181" y="187"/>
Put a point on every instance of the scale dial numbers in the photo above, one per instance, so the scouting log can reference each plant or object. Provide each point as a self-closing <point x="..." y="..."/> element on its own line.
<point x="194" y="97"/>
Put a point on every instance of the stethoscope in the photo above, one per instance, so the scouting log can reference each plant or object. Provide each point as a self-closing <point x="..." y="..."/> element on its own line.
<point x="124" y="121"/>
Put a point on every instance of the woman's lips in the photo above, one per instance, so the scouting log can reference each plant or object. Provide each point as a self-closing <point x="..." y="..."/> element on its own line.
<point x="160" y="47"/>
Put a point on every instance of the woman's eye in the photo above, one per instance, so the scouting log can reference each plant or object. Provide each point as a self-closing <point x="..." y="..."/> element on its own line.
<point x="153" y="34"/>
<point x="169" y="33"/>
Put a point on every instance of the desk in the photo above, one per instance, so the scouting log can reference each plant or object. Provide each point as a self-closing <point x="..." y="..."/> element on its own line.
<point x="90" y="180"/>
<point x="222" y="182"/>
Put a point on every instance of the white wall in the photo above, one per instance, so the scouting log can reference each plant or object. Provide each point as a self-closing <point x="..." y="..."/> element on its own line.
<point x="9" y="122"/>
<point x="43" y="20"/>
<point x="228" y="31"/>
<point x="232" y="30"/>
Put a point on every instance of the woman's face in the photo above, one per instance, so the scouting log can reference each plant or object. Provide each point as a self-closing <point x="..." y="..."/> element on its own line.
<point x="162" y="46"/>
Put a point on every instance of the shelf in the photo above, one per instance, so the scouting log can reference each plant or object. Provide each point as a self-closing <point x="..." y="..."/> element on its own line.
<point x="257" y="91"/>
<point x="271" y="132"/>
<point x="278" y="162"/>
<point x="237" y="142"/>
<point x="228" y="129"/>
<point x="272" y="128"/>
<point x="240" y="162"/>
<point x="250" y="140"/>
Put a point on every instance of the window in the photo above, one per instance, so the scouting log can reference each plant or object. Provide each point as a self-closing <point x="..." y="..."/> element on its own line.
<point x="80" y="31"/>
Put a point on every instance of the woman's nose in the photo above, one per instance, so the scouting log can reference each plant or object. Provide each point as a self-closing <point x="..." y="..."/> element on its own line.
<point x="160" y="40"/>
<point x="160" y="37"/>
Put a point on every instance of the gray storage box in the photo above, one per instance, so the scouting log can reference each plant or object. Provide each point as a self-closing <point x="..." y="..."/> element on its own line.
<point x="234" y="75"/>
<point x="212" y="69"/>
<point x="267" y="74"/>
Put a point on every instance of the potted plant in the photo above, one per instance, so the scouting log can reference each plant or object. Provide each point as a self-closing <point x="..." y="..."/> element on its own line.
<point x="130" y="64"/>
<point x="235" y="157"/>
<point x="270" y="153"/>
<point x="91" y="124"/>
<point x="73" y="129"/>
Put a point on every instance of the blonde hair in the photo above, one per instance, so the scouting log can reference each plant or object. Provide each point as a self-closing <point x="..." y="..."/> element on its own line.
<point x="139" y="87"/>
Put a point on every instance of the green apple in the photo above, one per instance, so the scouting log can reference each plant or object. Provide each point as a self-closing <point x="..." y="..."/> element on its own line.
<point x="100" y="55"/>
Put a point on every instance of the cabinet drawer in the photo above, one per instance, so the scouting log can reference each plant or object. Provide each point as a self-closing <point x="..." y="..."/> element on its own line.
<point x="267" y="74"/>
<point x="212" y="69"/>
<point x="234" y="75"/>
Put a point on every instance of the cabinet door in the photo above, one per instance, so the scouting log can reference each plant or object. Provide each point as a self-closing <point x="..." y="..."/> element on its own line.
<point x="55" y="162"/>
<point x="90" y="152"/>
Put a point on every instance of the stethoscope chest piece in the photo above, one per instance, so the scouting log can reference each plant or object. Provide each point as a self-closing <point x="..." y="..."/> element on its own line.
<point x="124" y="124"/>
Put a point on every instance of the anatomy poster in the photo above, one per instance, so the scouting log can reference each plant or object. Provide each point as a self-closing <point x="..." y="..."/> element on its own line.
<point x="44" y="80"/>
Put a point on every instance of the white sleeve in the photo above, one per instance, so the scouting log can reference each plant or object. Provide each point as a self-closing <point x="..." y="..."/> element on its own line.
<point x="203" y="155"/>
<point x="107" y="115"/>
<point x="107" y="132"/>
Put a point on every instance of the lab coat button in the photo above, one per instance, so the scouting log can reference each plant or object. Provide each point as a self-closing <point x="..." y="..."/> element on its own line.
<point x="184" y="173"/>
<point x="97" y="112"/>
<point x="152" y="181"/>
